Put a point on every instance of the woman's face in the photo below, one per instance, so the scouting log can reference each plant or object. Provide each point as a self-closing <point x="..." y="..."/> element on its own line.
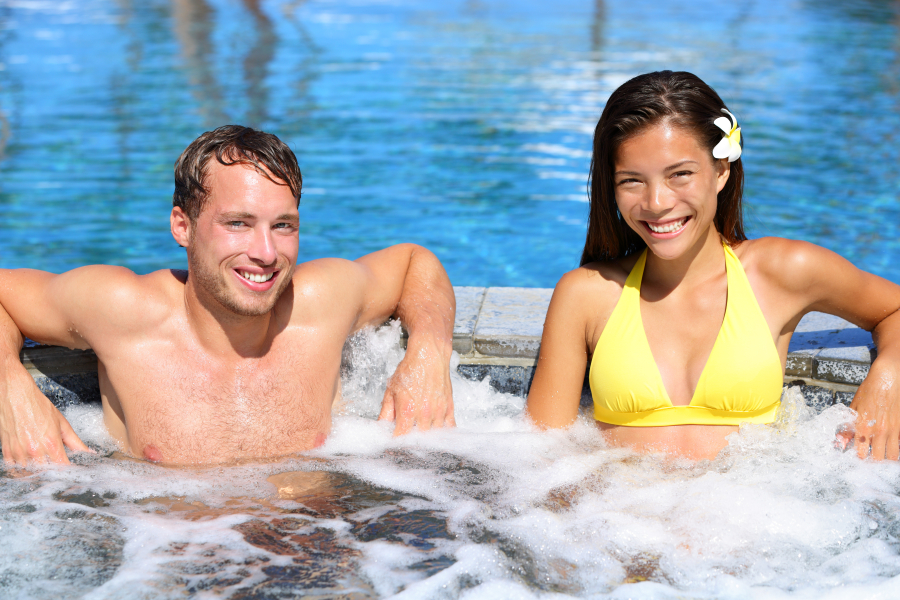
<point x="666" y="186"/>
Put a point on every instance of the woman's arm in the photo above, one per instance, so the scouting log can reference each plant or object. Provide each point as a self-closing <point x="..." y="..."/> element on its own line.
<point x="817" y="279"/>
<point x="877" y="401"/>
<point x="555" y="393"/>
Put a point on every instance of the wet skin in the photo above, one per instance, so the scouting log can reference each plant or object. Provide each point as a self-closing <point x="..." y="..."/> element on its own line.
<point x="208" y="366"/>
<point x="667" y="182"/>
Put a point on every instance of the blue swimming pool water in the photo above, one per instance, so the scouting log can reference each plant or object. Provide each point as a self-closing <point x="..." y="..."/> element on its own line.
<point x="461" y="125"/>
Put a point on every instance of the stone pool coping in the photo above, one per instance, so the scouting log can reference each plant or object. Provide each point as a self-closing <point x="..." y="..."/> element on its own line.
<point x="498" y="332"/>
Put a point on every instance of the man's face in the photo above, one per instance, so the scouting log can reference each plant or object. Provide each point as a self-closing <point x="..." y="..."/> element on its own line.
<point x="243" y="247"/>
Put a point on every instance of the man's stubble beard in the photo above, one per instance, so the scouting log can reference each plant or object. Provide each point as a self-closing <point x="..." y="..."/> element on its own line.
<point x="208" y="283"/>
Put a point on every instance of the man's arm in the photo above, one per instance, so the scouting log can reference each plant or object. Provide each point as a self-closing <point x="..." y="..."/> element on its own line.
<point x="53" y="309"/>
<point x="31" y="428"/>
<point x="409" y="282"/>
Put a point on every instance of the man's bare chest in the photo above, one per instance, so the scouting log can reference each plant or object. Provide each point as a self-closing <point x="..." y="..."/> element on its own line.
<point x="189" y="406"/>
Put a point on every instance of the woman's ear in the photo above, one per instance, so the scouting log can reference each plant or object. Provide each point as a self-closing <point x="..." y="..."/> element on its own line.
<point x="723" y="172"/>
<point x="181" y="226"/>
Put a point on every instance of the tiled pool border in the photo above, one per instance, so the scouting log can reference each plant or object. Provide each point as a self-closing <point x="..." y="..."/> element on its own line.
<point x="497" y="334"/>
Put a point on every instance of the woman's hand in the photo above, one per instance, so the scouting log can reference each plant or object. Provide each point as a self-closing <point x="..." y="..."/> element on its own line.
<point x="877" y="400"/>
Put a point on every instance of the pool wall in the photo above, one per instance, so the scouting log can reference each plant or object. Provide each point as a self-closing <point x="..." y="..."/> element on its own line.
<point x="498" y="333"/>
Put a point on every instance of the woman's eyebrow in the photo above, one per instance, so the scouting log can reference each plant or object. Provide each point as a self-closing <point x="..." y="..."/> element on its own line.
<point x="681" y="164"/>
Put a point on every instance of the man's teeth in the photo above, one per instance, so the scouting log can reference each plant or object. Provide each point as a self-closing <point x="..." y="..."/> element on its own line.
<point x="668" y="227"/>
<point x="256" y="277"/>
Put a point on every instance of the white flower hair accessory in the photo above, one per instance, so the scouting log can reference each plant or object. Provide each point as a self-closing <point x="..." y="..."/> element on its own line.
<point x="730" y="146"/>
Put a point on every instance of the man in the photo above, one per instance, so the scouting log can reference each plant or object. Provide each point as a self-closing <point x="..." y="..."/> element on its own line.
<point x="239" y="357"/>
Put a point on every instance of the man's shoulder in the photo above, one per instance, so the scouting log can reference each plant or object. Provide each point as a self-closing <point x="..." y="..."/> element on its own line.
<point x="127" y="297"/>
<point x="120" y="281"/>
<point x="325" y="267"/>
<point x="328" y="283"/>
<point x="321" y="274"/>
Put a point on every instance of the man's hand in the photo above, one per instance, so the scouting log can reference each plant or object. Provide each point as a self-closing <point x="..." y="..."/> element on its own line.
<point x="31" y="428"/>
<point x="408" y="282"/>
<point x="419" y="392"/>
<point x="877" y="403"/>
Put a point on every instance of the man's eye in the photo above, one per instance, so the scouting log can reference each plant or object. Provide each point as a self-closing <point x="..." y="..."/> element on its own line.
<point x="235" y="223"/>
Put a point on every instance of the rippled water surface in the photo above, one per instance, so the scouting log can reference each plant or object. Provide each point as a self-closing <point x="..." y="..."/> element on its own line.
<point x="461" y="125"/>
<point x="488" y="510"/>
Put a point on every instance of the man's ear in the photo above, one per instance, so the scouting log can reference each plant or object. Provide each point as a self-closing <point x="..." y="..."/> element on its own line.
<point x="181" y="226"/>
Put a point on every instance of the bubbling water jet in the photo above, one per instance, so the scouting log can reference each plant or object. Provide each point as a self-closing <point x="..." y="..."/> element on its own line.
<point x="492" y="508"/>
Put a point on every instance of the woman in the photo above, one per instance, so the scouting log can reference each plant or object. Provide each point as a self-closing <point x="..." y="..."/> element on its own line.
<point x="685" y="321"/>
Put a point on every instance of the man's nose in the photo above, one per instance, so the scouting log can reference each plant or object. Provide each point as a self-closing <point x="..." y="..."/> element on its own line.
<point x="262" y="246"/>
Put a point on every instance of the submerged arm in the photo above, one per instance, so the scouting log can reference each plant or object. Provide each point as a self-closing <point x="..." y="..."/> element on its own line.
<point x="408" y="281"/>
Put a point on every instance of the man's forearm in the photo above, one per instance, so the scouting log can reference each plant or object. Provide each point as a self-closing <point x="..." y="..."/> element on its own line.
<point x="11" y="339"/>
<point x="419" y="393"/>
<point x="427" y="306"/>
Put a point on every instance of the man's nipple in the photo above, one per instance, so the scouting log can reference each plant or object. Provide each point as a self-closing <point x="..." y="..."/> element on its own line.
<point x="320" y="439"/>
<point x="152" y="453"/>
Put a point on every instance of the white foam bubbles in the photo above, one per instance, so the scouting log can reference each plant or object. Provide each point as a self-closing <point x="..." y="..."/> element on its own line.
<point x="489" y="509"/>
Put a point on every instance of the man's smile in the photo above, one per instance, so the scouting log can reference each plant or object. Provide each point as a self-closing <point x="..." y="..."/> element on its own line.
<point x="258" y="282"/>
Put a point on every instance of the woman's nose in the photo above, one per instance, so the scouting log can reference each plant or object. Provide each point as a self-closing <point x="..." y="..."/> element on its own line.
<point x="660" y="198"/>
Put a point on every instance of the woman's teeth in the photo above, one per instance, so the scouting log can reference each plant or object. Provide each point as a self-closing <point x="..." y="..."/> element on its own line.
<point x="668" y="227"/>
<point x="256" y="278"/>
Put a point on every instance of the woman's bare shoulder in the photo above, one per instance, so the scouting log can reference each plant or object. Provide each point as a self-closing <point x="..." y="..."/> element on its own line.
<point x="790" y="264"/>
<point x="601" y="276"/>
<point x="592" y="290"/>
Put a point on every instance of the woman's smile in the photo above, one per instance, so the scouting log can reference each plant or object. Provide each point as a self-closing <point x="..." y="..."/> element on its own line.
<point x="666" y="229"/>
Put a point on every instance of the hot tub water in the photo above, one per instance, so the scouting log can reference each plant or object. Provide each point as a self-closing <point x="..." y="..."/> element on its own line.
<point x="489" y="509"/>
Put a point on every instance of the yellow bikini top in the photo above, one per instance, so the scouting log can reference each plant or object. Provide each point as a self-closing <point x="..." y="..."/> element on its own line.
<point x="741" y="381"/>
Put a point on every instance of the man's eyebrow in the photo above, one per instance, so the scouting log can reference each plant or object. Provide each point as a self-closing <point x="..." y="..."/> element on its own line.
<point x="236" y="216"/>
<point x="288" y="217"/>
